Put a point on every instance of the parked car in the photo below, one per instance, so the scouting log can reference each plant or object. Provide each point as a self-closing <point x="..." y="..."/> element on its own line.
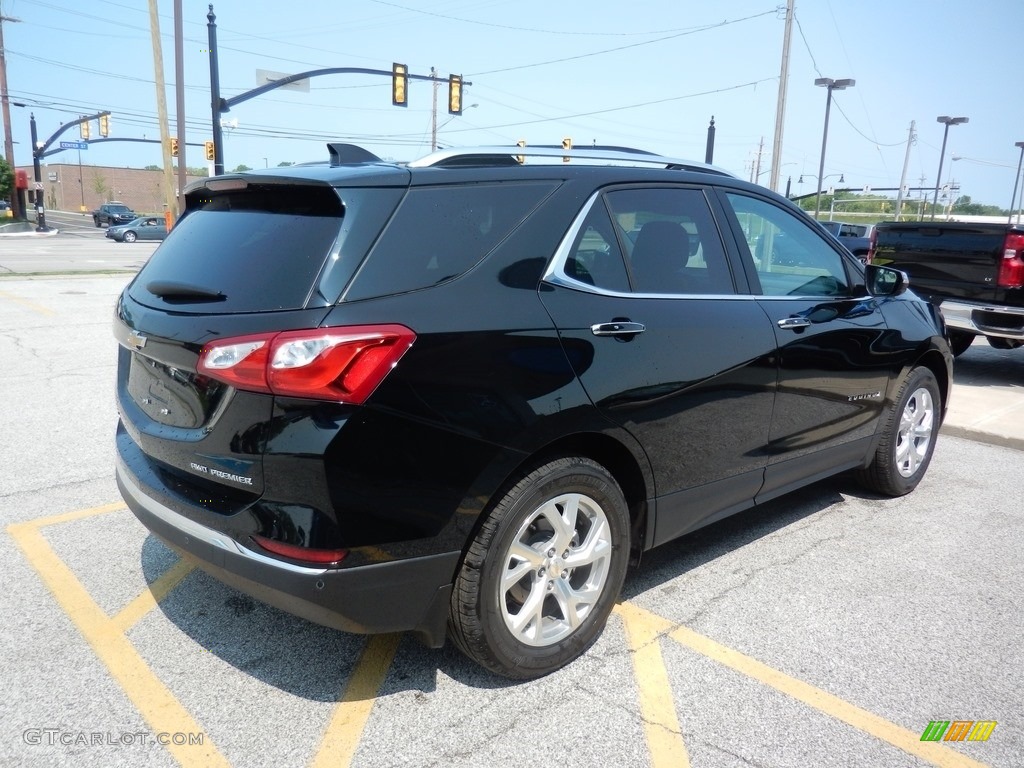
<point x="112" y="214"/>
<point x="459" y="396"/>
<point x="974" y="272"/>
<point x="142" y="228"/>
<point x="856" y="237"/>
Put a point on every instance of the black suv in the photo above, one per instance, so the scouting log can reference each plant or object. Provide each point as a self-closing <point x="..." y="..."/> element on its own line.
<point x="458" y="396"/>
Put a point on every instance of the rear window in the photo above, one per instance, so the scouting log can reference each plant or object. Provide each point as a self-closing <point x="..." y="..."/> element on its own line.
<point x="261" y="248"/>
<point x="438" y="233"/>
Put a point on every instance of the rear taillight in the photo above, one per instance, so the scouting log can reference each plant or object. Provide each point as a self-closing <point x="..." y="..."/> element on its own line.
<point x="1011" y="266"/>
<point x="872" y="242"/>
<point x="339" y="364"/>
<point x="305" y="554"/>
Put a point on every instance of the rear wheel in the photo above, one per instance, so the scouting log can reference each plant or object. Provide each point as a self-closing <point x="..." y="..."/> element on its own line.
<point x="537" y="583"/>
<point x="910" y="428"/>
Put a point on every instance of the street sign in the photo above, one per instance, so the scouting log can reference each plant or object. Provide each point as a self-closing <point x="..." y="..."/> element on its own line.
<point x="73" y="145"/>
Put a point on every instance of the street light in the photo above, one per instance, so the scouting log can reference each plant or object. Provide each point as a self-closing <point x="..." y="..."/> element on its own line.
<point x="1016" y="180"/>
<point x="948" y="121"/>
<point x="830" y="85"/>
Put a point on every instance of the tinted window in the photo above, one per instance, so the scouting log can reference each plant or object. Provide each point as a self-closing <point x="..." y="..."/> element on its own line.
<point x="791" y="258"/>
<point x="440" y="232"/>
<point x="672" y="240"/>
<point x="262" y="247"/>
<point x="596" y="258"/>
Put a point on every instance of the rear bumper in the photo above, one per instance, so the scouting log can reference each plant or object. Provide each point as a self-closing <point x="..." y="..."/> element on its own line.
<point x="984" y="319"/>
<point x="402" y="595"/>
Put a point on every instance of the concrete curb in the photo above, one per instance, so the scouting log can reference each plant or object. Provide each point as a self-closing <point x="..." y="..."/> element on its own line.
<point x="979" y="436"/>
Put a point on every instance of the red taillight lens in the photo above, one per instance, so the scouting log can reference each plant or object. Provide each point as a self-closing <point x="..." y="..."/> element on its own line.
<point x="1011" y="266"/>
<point x="872" y="242"/>
<point x="338" y="364"/>
<point x="304" y="554"/>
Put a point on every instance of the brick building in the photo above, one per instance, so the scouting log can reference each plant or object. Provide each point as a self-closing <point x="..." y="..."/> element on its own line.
<point x="70" y="187"/>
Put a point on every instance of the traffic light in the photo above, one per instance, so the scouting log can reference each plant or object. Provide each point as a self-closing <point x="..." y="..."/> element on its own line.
<point x="104" y="125"/>
<point x="399" y="85"/>
<point x="566" y="144"/>
<point x="209" y="150"/>
<point x="521" y="158"/>
<point x="84" y="129"/>
<point x="174" y="146"/>
<point x="455" y="94"/>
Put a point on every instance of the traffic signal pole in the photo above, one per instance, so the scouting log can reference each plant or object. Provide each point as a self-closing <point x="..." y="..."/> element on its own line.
<point x="39" y="151"/>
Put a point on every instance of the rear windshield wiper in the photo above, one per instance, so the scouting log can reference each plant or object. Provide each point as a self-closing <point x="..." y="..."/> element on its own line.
<point x="173" y="291"/>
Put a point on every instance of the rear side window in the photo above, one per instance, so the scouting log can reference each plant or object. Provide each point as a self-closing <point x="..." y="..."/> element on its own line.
<point x="438" y="233"/>
<point x="262" y="247"/>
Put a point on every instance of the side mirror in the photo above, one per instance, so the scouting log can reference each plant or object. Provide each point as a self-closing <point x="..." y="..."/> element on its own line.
<point x="885" y="281"/>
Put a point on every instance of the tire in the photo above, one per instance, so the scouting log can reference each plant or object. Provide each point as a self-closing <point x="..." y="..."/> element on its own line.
<point x="908" y="440"/>
<point x="129" y="237"/>
<point x="960" y="342"/>
<point x="96" y="221"/>
<point x="568" y="577"/>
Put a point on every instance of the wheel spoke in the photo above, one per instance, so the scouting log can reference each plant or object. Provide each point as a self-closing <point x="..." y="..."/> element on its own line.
<point x="528" y="620"/>
<point x="594" y="548"/>
<point x="574" y="603"/>
<point x="561" y="514"/>
<point x="514" y="575"/>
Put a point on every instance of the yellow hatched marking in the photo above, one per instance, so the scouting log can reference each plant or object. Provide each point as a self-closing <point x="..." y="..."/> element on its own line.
<point x="821" y="700"/>
<point x="345" y="729"/>
<point x="133" y="613"/>
<point x="157" y="705"/>
<point x="657" y="707"/>
<point x="68" y="517"/>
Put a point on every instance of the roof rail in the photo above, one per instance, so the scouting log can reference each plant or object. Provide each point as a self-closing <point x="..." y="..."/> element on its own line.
<point x="611" y="155"/>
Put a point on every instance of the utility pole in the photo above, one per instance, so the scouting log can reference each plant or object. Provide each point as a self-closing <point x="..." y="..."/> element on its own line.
<point x="780" y="106"/>
<point x="903" y="176"/>
<point x="8" y="139"/>
<point x="757" y="168"/>
<point x="179" y="101"/>
<point x="161" y="112"/>
<point x="433" y="112"/>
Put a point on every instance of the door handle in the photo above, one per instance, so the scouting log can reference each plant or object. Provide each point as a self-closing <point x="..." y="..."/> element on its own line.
<point x="617" y="328"/>
<point x="793" y="323"/>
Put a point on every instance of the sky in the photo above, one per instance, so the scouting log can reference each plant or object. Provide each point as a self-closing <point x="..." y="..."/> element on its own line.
<point x="648" y="74"/>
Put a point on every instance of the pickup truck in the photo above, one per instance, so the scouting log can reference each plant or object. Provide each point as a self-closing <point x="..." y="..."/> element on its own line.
<point x="856" y="237"/>
<point x="974" y="273"/>
<point x="113" y="213"/>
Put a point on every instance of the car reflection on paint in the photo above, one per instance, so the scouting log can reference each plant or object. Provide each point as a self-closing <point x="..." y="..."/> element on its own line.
<point x="142" y="228"/>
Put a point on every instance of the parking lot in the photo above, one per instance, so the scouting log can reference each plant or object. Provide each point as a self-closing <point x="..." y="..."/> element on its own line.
<point x="830" y="627"/>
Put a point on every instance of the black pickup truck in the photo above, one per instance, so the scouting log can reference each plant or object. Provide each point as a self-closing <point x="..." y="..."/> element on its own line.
<point x="973" y="272"/>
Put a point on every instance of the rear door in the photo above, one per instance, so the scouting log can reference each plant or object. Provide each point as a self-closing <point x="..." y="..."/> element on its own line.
<point x="834" y="360"/>
<point x="681" y="356"/>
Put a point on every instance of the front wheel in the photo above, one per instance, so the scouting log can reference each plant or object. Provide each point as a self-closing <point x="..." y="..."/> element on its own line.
<point x="544" y="571"/>
<point x="129" y="237"/>
<point x="910" y="427"/>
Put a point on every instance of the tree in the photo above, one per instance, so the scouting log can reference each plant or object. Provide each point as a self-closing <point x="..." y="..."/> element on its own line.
<point x="99" y="185"/>
<point x="241" y="168"/>
<point x="197" y="171"/>
<point x="151" y="168"/>
<point x="6" y="179"/>
<point x="284" y="164"/>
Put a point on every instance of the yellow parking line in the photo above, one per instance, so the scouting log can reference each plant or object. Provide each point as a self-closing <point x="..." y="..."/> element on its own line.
<point x="68" y="517"/>
<point x="653" y="626"/>
<point x="345" y="729"/>
<point x="132" y="613"/>
<point x="657" y="707"/>
<point x="29" y="304"/>
<point x="158" y="706"/>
